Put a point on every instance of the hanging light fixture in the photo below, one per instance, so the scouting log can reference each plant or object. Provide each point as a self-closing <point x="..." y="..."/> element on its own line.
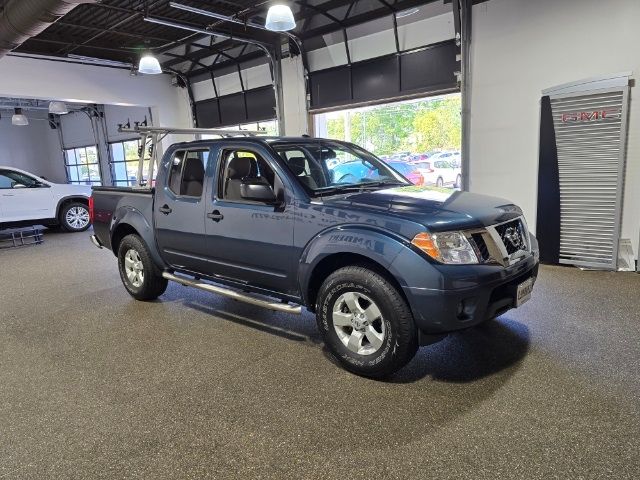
<point x="19" y="118"/>
<point x="280" y="19"/>
<point x="149" y="65"/>
<point x="58" y="108"/>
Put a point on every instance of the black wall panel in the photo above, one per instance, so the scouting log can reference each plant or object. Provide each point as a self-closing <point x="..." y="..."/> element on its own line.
<point x="231" y="109"/>
<point x="376" y="79"/>
<point x="431" y="69"/>
<point x="207" y="115"/>
<point x="330" y="87"/>
<point x="426" y="70"/>
<point x="261" y="104"/>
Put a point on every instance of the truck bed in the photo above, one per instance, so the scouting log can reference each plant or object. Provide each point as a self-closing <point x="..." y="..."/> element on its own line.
<point x="110" y="202"/>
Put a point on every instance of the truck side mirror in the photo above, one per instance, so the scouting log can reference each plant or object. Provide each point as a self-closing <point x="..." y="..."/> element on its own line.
<point x="257" y="192"/>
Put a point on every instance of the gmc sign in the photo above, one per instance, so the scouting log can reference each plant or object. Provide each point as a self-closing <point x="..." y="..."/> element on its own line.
<point x="590" y="116"/>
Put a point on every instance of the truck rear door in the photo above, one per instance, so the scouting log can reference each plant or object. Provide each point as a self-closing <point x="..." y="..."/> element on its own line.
<point x="179" y="208"/>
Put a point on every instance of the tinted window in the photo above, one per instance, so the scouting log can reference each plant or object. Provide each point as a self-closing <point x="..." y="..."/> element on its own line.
<point x="242" y="166"/>
<point x="186" y="174"/>
<point x="11" y="179"/>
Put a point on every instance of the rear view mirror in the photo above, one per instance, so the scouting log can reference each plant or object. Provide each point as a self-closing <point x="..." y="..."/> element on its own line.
<point x="257" y="192"/>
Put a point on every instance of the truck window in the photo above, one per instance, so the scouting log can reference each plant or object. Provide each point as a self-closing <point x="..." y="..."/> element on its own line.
<point x="186" y="174"/>
<point x="238" y="166"/>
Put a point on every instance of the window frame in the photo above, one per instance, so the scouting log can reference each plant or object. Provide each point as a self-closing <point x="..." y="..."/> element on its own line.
<point x="113" y="162"/>
<point x="221" y="168"/>
<point x="76" y="165"/>
<point x="178" y="196"/>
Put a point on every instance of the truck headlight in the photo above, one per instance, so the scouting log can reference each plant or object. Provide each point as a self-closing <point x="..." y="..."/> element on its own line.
<point x="446" y="247"/>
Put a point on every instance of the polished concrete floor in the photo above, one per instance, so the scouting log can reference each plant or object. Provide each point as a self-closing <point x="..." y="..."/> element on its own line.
<point x="96" y="385"/>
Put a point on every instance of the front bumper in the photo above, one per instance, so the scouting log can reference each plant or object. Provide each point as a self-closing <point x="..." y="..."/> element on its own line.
<point x="471" y="295"/>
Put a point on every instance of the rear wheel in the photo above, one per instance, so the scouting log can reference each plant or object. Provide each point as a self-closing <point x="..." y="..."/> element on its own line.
<point x="140" y="276"/>
<point x="74" y="217"/>
<point x="439" y="182"/>
<point x="365" y="322"/>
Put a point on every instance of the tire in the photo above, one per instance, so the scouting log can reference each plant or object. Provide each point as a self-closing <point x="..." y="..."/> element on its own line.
<point x="140" y="276"/>
<point x="74" y="217"/>
<point x="439" y="182"/>
<point x="458" y="181"/>
<point x="373" y="345"/>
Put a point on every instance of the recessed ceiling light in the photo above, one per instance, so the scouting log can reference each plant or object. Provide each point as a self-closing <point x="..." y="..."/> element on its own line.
<point x="280" y="19"/>
<point x="407" y="12"/>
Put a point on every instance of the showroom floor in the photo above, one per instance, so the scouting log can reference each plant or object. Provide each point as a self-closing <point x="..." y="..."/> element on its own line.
<point x="96" y="385"/>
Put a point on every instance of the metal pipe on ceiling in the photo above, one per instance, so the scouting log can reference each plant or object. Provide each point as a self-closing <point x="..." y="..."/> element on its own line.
<point x="22" y="19"/>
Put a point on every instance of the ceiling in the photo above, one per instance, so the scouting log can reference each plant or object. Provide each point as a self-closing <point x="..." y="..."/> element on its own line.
<point x="116" y="30"/>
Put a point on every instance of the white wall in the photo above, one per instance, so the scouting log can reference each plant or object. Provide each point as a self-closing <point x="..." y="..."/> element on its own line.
<point x="294" y="97"/>
<point x="44" y="79"/>
<point x="519" y="48"/>
<point x="34" y="148"/>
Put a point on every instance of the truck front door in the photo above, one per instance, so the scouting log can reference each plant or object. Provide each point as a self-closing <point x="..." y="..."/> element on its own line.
<point x="249" y="241"/>
<point x="179" y="209"/>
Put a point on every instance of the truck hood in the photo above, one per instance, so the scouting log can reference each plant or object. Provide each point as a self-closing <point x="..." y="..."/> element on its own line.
<point x="436" y="208"/>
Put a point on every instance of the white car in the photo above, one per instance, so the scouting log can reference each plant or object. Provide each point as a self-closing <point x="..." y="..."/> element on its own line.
<point x="443" y="172"/>
<point x="26" y="199"/>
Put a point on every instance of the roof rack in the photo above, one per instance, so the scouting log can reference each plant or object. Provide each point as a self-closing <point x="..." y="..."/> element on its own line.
<point x="156" y="134"/>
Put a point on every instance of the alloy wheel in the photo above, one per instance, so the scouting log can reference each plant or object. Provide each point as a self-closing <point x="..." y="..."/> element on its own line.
<point x="358" y="323"/>
<point x="133" y="268"/>
<point x="77" y="217"/>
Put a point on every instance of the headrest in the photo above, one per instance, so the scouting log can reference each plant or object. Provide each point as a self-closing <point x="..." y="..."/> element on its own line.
<point x="193" y="170"/>
<point x="239" y="168"/>
<point x="297" y="165"/>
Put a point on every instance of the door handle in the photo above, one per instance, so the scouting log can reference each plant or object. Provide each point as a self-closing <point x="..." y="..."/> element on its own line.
<point x="216" y="216"/>
<point x="165" y="209"/>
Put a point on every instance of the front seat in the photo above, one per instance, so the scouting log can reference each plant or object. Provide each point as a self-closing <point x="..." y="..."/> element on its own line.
<point x="298" y="167"/>
<point x="239" y="169"/>
<point x="192" y="178"/>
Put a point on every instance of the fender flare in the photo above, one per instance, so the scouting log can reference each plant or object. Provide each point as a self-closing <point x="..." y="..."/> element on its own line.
<point x="132" y="217"/>
<point x="379" y="245"/>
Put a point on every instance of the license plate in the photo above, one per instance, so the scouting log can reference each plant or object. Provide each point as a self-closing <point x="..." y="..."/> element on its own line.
<point x="524" y="291"/>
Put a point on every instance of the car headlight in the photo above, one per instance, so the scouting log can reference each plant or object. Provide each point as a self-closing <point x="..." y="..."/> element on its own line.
<point x="446" y="247"/>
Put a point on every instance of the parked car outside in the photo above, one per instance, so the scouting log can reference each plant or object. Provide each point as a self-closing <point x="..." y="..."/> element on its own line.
<point x="443" y="172"/>
<point x="26" y="199"/>
<point x="409" y="171"/>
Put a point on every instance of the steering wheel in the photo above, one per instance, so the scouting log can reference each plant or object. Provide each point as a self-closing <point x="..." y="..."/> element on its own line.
<point x="345" y="176"/>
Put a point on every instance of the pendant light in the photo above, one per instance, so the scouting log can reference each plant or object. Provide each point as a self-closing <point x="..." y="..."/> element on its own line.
<point x="58" y="108"/>
<point x="19" y="118"/>
<point x="280" y="19"/>
<point x="149" y="65"/>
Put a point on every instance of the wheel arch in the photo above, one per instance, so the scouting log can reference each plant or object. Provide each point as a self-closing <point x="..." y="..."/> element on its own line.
<point x="337" y="247"/>
<point x="64" y="201"/>
<point x="132" y="221"/>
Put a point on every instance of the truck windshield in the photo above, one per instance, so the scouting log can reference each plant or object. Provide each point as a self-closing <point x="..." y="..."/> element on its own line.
<point x="325" y="167"/>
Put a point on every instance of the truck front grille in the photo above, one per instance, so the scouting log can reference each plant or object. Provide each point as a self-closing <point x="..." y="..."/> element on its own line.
<point x="512" y="236"/>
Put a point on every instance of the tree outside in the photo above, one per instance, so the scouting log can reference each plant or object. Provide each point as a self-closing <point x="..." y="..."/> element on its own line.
<point x="413" y="126"/>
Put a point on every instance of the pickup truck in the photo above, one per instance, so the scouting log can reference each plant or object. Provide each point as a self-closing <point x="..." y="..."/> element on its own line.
<point x="26" y="199"/>
<point x="386" y="266"/>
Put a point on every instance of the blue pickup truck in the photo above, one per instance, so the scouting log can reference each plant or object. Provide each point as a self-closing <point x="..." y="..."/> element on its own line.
<point x="386" y="266"/>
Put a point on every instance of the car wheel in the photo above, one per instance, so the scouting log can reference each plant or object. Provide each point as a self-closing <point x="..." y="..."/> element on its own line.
<point x="439" y="182"/>
<point x="365" y="322"/>
<point x="458" y="181"/>
<point x="140" y="276"/>
<point x="74" y="217"/>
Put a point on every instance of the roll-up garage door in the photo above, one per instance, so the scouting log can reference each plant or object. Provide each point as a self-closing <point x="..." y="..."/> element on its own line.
<point x="590" y="134"/>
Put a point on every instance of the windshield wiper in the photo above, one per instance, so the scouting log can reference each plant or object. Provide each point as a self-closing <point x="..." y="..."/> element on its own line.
<point x="355" y="187"/>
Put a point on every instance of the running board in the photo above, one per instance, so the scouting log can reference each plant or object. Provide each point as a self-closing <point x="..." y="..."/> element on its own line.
<point x="207" y="287"/>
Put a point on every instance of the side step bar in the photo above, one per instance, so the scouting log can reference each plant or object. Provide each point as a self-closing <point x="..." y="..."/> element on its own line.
<point x="207" y="287"/>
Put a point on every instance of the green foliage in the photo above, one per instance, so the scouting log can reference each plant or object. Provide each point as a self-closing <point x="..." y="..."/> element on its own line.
<point x="417" y="127"/>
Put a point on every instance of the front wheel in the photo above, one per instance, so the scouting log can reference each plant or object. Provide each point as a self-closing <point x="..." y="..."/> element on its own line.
<point x="74" y="217"/>
<point x="140" y="276"/>
<point x="365" y="322"/>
